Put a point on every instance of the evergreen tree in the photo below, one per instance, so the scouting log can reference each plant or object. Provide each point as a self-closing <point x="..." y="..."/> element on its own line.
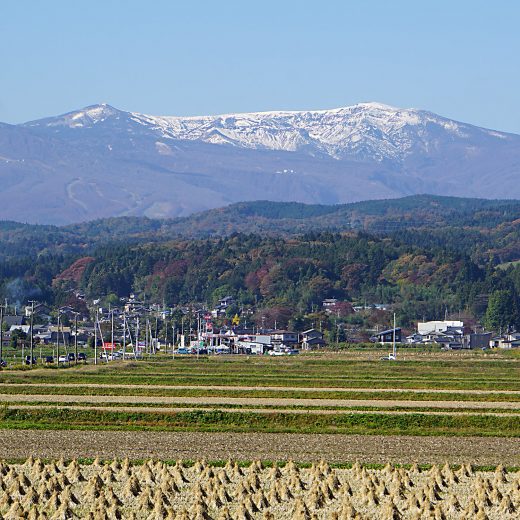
<point x="502" y="310"/>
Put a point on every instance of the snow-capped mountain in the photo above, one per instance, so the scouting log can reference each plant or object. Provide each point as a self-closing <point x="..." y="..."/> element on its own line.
<point x="366" y="130"/>
<point x="101" y="161"/>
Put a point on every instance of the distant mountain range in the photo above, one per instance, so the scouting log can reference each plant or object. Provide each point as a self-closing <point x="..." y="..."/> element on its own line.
<point x="102" y="162"/>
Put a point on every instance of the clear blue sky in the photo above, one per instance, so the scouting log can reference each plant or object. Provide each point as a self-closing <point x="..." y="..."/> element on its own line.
<point x="459" y="58"/>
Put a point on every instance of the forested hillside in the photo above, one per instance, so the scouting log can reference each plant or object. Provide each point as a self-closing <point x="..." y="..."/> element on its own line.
<point x="295" y="275"/>
<point x="448" y="220"/>
<point x="424" y="255"/>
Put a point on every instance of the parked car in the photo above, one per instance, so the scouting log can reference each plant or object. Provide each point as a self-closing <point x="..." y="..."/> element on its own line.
<point x="29" y="360"/>
<point x="110" y="357"/>
<point x="3" y="363"/>
<point x="63" y="359"/>
<point x="49" y="359"/>
<point x="182" y="351"/>
<point x="132" y="355"/>
<point x="82" y="356"/>
<point x="71" y="356"/>
<point x="201" y="351"/>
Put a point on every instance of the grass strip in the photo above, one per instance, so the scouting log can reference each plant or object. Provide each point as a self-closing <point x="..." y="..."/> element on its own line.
<point x="215" y="421"/>
<point x="272" y="380"/>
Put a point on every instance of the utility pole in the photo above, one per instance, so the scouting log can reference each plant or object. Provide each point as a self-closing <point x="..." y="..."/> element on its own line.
<point x="165" y="334"/>
<point x="112" y="331"/>
<point x="31" y="339"/>
<point x="173" y="340"/>
<point x="146" y="323"/>
<point x="75" y="338"/>
<point x="124" y="335"/>
<point x="95" y="338"/>
<point x="394" y="351"/>
<point x="1" y="332"/>
<point x="137" y="336"/>
<point x="58" y="342"/>
<point x="156" y="334"/>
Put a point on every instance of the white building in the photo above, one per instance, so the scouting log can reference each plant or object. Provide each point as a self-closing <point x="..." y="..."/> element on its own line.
<point x="433" y="327"/>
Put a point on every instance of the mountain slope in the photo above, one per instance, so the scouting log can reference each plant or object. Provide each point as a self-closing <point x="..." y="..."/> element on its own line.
<point x="101" y="162"/>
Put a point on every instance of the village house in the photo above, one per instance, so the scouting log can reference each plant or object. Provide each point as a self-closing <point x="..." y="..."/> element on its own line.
<point x="41" y="311"/>
<point x="62" y="335"/>
<point x="509" y="340"/>
<point x="220" y="310"/>
<point x="284" y="338"/>
<point x="311" y="339"/>
<point x="387" y="336"/>
<point x="329" y="302"/>
<point x="13" y="321"/>
<point x="432" y="327"/>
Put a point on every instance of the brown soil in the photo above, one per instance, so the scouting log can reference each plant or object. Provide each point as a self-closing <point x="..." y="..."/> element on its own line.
<point x="258" y="402"/>
<point x="18" y="444"/>
<point x="260" y="388"/>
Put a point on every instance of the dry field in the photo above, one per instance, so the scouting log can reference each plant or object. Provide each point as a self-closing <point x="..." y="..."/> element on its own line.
<point x="335" y="448"/>
<point x="118" y="489"/>
<point x="256" y="401"/>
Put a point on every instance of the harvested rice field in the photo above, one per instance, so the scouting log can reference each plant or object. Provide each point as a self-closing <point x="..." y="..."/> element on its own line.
<point x="155" y="490"/>
<point x="461" y="407"/>
<point x="305" y="448"/>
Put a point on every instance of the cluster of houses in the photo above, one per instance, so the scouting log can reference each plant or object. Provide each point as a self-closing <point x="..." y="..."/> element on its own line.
<point x="132" y="317"/>
<point x="450" y="335"/>
<point x="263" y="341"/>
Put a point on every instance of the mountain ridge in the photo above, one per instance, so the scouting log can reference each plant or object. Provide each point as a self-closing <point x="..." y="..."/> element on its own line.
<point x="229" y="128"/>
<point x="100" y="161"/>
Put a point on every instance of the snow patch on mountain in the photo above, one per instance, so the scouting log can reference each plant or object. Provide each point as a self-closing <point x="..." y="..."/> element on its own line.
<point x="364" y="131"/>
<point x="87" y="117"/>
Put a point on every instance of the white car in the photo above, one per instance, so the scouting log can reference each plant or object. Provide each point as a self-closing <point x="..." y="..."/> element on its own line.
<point x="63" y="359"/>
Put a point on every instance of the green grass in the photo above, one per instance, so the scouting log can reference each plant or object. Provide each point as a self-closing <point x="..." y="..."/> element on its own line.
<point x="464" y="372"/>
<point x="369" y="423"/>
<point x="428" y="371"/>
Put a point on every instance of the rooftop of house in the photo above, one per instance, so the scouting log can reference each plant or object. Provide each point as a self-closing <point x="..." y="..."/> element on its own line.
<point x="388" y="331"/>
